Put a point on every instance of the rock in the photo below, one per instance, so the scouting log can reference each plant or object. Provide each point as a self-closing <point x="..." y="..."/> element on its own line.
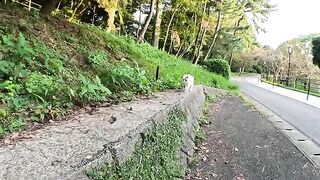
<point x="214" y="175"/>
<point x="112" y="119"/>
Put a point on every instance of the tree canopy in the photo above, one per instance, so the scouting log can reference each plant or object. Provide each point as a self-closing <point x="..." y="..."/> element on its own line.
<point x="316" y="50"/>
<point x="194" y="29"/>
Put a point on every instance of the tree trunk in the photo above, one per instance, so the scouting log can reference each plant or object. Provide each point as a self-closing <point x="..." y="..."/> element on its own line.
<point x="196" y="60"/>
<point x="75" y="11"/>
<point x="234" y="34"/>
<point x="185" y="50"/>
<point x="93" y="16"/>
<point x="122" y="26"/>
<point x="231" y="59"/>
<point x="171" y="44"/>
<point x="147" y="22"/>
<point x="215" y="35"/>
<point x="198" y="34"/>
<point x="110" y="22"/>
<point x="157" y="26"/>
<point x="49" y="6"/>
<point x="196" y="42"/>
<point x="179" y="50"/>
<point x="139" y="26"/>
<point x="168" y="29"/>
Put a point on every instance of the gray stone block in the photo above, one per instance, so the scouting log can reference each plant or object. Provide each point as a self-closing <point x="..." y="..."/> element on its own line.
<point x="66" y="149"/>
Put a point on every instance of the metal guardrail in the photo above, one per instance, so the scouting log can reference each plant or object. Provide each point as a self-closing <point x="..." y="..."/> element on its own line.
<point x="308" y="86"/>
<point x="27" y="3"/>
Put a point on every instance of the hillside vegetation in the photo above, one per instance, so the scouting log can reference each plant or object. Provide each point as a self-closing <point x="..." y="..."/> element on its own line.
<point x="48" y="66"/>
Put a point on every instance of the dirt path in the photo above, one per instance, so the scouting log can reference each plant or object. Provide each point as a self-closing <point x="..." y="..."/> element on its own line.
<point x="242" y="144"/>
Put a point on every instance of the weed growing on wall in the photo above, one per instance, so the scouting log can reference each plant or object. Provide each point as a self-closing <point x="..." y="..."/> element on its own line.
<point x="200" y="133"/>
<point x="157" y="157"/>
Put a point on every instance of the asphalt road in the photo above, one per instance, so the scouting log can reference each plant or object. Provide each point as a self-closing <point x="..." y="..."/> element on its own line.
<point x="304" y="117"/>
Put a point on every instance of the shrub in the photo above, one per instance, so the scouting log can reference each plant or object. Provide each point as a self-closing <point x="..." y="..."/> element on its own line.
<point x="250" y="70"/>
<point x="257" y="68"/>
<point x="218" y="66"/>
<point x="43" y="86"/>
<point x="93" y="90"/>
<point x="126" y="78"/>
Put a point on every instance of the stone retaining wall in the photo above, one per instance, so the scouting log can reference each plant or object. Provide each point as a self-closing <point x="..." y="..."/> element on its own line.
<point x="64" y="150"/>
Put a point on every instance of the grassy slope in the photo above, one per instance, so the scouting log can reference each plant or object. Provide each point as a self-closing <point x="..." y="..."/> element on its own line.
<point x="54" y="65"/>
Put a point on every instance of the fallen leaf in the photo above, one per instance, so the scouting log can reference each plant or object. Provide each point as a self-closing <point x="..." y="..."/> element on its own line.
<point x="7" y="141"/>
<point x="203" y="147"/>
<point x="14" y="136"/>
<point x="239" y="178"/>
<point x="214" y="175"/>
<point x="204" y="159"/>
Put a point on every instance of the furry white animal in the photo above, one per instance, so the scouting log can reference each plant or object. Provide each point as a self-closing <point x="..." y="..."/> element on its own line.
<point x="188" y="81"/>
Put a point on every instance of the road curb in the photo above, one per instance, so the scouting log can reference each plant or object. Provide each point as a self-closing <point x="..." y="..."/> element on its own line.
<point x="302" y="142"/>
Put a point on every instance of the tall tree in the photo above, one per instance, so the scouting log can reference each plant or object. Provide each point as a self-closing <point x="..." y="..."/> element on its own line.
<point x="202" y="39"/>
<point x="110" y="7"/>
<point x="147" y="21"/>
<point x="237" y="25"/>
<point x="173" y="12"/>
<point x="215" y="35"/>
<point x="200" y="33"/>
<point x="157" y="26"/>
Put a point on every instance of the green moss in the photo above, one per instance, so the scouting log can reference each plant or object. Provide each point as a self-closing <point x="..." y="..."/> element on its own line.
<point x="157" y="157"/>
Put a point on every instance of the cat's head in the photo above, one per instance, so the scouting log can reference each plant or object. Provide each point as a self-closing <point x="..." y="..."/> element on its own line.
<point x="185" y="78"/>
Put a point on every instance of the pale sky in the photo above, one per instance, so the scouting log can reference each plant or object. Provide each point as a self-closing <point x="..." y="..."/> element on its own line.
<point x="292" y="18"/>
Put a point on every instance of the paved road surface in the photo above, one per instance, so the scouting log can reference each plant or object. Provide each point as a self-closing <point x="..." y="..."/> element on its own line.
<point x="245" y="145"/>
<point x="304" y="117"/>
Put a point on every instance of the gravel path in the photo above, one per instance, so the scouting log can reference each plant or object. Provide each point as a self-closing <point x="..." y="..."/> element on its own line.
<point x="242" y="144"/>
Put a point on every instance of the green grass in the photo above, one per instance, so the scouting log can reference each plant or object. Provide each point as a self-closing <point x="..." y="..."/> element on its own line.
<point x="48" y="66"/>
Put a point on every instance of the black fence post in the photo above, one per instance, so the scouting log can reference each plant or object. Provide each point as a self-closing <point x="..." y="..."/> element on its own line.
<point x="157" y="73"/>
<point x="309" y="85"/>
<point x="273" y="81"/>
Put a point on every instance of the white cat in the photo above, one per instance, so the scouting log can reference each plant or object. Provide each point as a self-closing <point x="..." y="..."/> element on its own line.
<point x="188" y="81"/>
